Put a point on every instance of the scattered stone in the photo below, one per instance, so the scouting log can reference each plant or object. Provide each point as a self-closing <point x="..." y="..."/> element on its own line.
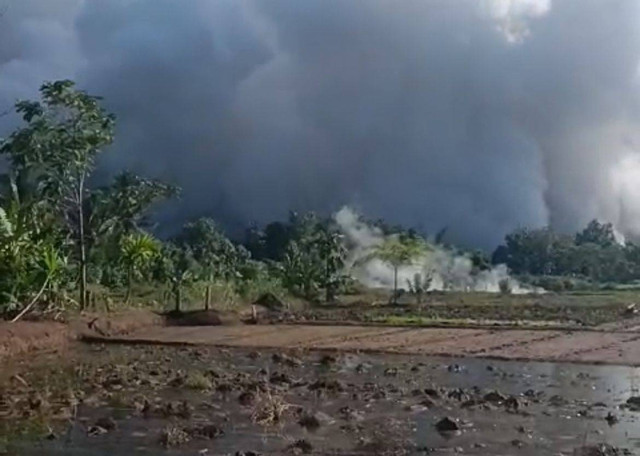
<point x="281" y="358"/>
<point x="248" y="453"/>
<point x="447" y="424"/>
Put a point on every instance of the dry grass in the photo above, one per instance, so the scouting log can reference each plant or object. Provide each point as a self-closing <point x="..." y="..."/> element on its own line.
<point x="269" y="409"/>
<point x="198" y="381"/>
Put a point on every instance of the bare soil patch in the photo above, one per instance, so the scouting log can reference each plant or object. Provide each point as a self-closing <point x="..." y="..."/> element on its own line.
<point x="594" y="347"/>
<point x="24" y="337"/>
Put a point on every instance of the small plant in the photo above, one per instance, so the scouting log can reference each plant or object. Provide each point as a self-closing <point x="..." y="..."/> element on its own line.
<point x="197" y="381"/>
<point x="269" y="409"/>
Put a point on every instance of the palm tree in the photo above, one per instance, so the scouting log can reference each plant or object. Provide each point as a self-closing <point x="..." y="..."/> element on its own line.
<point x="137" y="251"/>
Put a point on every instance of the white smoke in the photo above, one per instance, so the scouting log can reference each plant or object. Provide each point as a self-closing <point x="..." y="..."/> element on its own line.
<point x="447" y="270"/>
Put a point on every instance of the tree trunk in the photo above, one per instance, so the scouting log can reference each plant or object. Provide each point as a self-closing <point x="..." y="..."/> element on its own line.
<point x="127" y="296"/>
<point x="395" y="285"/>
<point x="82" y="247"/>
<point x="207" y="297"/>
<point x="178" y="296"/>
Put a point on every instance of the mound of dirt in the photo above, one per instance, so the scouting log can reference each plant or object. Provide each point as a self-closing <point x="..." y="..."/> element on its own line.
<point x="200" y="318"/>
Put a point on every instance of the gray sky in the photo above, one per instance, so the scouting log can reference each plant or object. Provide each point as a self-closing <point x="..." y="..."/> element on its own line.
<point x="478" y="115"/>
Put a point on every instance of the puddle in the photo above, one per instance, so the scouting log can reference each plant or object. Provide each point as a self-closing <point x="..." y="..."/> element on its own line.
<point x="368" y="404"/>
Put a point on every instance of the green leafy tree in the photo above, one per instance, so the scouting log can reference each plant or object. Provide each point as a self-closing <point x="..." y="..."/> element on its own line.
<point x="398" y="251"/>
<point x="177" y="267"/>
<point x="137" y="252"/>
<point x="216" y="255"/>
<point x="64" y="134"/>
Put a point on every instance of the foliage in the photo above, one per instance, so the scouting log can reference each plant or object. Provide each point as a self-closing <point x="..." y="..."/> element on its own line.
<point x="64" y="134"/>
<point x="397" y="251"/>
<point x="137" y="252"/>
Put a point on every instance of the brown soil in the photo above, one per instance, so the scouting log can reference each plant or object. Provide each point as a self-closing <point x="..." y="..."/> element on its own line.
<point x="23" y="337"/>
<point x="545" y="345"/>
<point x="32" y="336"/>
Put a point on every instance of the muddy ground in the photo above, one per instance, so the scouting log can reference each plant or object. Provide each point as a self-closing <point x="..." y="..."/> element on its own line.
<point x="122" y="400"/>
<point x="616" y="345"/>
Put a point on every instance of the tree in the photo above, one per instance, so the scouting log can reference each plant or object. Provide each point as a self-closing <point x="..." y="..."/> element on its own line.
<point x="601" y="234"/>
<point x="64" y="134"/>
<point x="137" y="252"/>
<point x="398" y="251"/>
<point x="333" y="254"/>
<point x="217" y="256"/>
<point x="176" y="266"/>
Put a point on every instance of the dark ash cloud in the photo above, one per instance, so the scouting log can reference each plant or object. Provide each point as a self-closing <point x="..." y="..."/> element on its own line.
<point x="481" y="116"/>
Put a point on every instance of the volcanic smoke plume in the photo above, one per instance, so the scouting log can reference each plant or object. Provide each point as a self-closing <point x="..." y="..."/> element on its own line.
<point x="477" y="115"/>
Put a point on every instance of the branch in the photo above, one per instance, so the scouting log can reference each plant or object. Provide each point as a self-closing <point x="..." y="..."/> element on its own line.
<point x="33" y="302"/>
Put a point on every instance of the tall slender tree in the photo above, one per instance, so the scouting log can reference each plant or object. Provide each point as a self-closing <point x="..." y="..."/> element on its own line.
<point x="63" y="136"/>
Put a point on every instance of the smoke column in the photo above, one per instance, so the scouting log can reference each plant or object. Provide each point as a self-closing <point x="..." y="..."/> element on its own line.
<point x="446" y="270"/>
<point x="477" y="115"/>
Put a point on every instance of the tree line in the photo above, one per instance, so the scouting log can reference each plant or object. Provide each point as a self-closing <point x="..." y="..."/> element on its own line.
<point x="593" y="254"/>
<point x="64" y="242"/>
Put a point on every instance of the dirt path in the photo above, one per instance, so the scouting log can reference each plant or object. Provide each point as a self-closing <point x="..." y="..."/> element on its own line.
<point x="577" y="346"/>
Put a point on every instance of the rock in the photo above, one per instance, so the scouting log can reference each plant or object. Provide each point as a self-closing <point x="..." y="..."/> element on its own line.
<point x="107" y="423"/>
<point x="633" y="403"/>
<point x="391" y="371"/>
<point x="512" y="403"/>
<point x="494" y="396"/>
<point x="432" y="392"/>
<point x="328" y="360"/>
<point x="206" y="431"/>
<point x="630" y="310"/>
<point x="447" y="424"/>
<point x="309" y="422"/>
<point x="517" y="443"/>
<point x="458" y="394"/>
<point x="611" y="419"/>
<point x="247" y="453"/>
<point x="300" y="447"/>
<point x="427" y="402"/>
<point x="247" y="399"/>
<point x="93" y="431"/>
<point x="281" y="358"/>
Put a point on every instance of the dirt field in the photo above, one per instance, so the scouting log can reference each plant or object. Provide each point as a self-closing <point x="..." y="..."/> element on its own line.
<point x="618" y="345"/>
